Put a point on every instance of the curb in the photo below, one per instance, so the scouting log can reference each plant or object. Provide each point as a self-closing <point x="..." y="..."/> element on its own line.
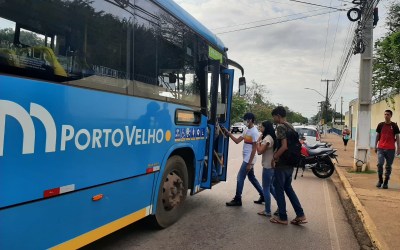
<point x="366" y="220"/>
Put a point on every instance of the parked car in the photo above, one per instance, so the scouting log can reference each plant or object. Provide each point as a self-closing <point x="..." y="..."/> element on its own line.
<point x="309" y="132"/>
<point x="238" y="127"/>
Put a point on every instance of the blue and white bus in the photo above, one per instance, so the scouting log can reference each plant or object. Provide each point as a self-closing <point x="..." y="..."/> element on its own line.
<point x="109" y="112"/>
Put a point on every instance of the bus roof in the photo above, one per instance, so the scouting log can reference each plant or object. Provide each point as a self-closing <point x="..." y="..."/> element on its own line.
<point x="189" y="20"/>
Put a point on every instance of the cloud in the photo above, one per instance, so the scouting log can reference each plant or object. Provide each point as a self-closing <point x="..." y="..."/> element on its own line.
<point x="286" y="57"/>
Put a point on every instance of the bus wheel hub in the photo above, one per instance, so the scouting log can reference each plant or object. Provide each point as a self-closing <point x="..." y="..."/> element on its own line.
<point x="172" y="191"/>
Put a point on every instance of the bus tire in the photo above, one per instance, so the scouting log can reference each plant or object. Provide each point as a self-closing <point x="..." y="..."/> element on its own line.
<point x="172" y="192"/>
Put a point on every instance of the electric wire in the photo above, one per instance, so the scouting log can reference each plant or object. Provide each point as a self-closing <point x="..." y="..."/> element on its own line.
<point x="268" y="24"/>
<point x="326" y="42"/>
<point x="330" y="7"/>
<point x="263" y="20"/>
<point x="333" y="44"/>
<point x="368" y="11"/>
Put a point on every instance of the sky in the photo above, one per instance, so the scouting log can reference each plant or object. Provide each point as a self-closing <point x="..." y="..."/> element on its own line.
<point x="287" y="57"/>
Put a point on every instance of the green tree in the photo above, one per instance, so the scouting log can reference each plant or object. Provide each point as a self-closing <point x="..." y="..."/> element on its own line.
<point x="386" y="67"/>
<point x="239" y="107"/>
<point x="256" y="93"/>
<point x="27" y="38"/>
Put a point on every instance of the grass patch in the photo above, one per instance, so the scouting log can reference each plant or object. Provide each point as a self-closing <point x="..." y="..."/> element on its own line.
<point x="351" y="171"/>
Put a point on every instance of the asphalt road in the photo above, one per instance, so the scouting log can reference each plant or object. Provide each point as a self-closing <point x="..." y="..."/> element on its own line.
<point x="208" y="224"/>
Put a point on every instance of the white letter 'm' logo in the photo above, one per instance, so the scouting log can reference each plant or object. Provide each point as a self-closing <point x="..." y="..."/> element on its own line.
<point x="28" y="129"/>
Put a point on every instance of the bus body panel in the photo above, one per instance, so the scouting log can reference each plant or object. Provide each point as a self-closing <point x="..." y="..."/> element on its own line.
<point x="84" y="157"/>
<point x="47" y="223"/>
<point x="131" y="133"/>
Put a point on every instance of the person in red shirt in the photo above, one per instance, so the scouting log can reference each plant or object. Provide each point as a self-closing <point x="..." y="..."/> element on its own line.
<point x="387" y="133"/>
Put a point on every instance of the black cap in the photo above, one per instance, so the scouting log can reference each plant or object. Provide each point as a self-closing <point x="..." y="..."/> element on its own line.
<point x="249" y="116"/>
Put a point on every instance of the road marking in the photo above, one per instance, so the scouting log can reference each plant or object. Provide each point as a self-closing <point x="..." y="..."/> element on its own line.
<point x="331" y="222"/>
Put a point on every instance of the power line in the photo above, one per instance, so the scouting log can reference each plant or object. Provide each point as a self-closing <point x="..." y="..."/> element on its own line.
<point x="326" y="42"/>
<point x="330" y="7"/>
<point x="366" y="12"/>
<point x="235" y="25"/>
<point x="333" y="45"/>
<point x="268" y="24"/>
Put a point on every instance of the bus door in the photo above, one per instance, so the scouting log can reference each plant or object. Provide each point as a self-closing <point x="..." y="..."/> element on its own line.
<point x="214" y="168"/>
<point x="212" y="125"/>
<point x="224" y="116"/>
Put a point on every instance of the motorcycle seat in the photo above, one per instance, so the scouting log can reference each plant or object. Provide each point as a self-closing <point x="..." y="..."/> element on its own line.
<point x="318" y="145"/>
<point x="320" y="151"/>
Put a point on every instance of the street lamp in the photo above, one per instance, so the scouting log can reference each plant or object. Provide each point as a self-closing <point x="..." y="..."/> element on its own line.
<point x="326" y="105"/>
<point x="316" y="91"/>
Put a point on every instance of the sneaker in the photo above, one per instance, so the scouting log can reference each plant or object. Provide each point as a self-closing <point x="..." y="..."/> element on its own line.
<point x="234" y="203"/>
<point x="260" y="200"/>
<point x="379" y="184"/>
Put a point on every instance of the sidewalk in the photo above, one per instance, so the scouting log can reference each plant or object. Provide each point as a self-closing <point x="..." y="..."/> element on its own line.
<point x="378" y="209"/>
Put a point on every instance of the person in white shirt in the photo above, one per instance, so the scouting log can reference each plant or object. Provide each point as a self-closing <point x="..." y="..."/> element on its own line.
<point x="250" y="137"/>
<point x="265" y="147"/>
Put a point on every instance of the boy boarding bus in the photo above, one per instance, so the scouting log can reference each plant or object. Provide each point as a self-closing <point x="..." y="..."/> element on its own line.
<point x="109" y="113"/>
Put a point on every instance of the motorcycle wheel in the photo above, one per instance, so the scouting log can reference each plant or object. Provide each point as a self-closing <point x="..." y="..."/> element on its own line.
<point x="324" y="169"/>
<point x="354" y="14"/>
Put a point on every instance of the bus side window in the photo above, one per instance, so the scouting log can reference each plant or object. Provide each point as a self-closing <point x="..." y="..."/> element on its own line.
<point x="166" y="57"/>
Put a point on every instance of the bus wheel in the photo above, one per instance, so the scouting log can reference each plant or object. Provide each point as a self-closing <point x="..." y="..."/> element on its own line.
<point x="172" y="192"/>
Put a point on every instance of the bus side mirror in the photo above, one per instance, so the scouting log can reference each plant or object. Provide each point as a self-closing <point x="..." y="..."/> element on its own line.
<point x="172" y="78"/>
<point x="242" y="86"/>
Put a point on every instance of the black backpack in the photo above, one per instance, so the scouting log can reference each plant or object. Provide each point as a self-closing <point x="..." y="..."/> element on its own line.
<point x="292" y="156"/>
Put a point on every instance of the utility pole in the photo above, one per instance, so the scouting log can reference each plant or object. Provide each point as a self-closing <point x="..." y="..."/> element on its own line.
<point x="362" y="149"/>
<point x="341" y="112"/>
<point x="334" y="116"/>
<point x="326" y="104"/>
<point x="320" y="112"/>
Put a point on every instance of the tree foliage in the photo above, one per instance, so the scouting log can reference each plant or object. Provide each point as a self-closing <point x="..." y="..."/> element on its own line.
<point x="256" y="101"/>
<point x="28" y="38"/>
<point x="386" y="67"/>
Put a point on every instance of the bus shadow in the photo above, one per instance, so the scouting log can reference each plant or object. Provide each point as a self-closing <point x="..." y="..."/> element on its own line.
<point x="142" y="229"/>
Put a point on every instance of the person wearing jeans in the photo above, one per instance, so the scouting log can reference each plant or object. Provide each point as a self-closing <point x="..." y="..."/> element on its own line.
<point x="265" y="147"/>
<point x="283" y="184"/>
<point x="387" y="133"/>
<point x="284" y="172"/>
<point x="240" y="181"/>
<point x="250" y="137"/>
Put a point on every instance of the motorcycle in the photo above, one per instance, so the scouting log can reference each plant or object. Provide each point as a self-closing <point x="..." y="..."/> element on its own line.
<point x="317" y="145"/>
<point x="318" y="159"/>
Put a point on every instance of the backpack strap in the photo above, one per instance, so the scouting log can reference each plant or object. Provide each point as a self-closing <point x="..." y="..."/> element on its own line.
<point x="289" y="127"/>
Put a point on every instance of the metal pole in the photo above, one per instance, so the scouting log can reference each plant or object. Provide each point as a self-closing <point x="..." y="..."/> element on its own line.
<point x="362" y="149"/>
<point x="341" y="112"/>
<point x="326" y="104"/>
<point x="334" y="116"/>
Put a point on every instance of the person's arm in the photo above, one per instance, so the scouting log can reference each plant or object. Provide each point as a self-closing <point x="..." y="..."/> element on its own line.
<point x="376" y="142"/>
<point x="253" y="152"/>
<point x="236" y="140"/>
<point x="281" y="150"/>
<point x="261" y="148"/>
<point x="397" y="132"/>
<point x="378" y="131"/>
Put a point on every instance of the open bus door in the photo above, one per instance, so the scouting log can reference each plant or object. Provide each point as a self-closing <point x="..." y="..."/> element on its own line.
<point x="215" y="163"/>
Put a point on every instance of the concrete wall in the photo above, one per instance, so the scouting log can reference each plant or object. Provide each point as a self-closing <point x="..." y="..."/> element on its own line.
<point x="377" y="116"/>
